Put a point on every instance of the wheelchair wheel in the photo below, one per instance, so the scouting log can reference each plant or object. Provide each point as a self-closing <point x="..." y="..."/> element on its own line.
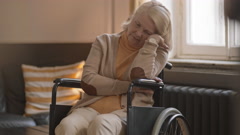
<point x="171" y="122"/>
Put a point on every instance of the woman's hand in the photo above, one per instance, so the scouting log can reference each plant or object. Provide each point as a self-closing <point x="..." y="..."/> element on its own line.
<point x="157" y="79"/>
<point x="143" y="90"/>
<point x="159" y="40"/>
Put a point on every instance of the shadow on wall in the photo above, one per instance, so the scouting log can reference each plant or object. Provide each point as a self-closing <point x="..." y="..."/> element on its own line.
<point x="232" y="10"/>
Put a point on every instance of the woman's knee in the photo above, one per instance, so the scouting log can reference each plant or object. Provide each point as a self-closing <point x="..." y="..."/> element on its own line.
<point x="64" y="127"/>
<point x="68" y="126"/>
<point x="106" y="124"/>
<point x="77" y="122"/>
<point x="101" y="120"/>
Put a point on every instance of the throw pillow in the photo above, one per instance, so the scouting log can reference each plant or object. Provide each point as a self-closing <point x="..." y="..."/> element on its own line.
<point x="39" y="83"/>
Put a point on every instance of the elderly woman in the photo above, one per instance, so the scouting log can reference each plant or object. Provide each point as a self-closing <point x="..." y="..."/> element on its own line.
<point x="140" y="51"/>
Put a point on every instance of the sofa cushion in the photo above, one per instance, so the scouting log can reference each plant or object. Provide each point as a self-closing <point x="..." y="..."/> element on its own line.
<point x="39" y="83"/>
<point x="41" y="118"/>
<point x="8" y="120"/>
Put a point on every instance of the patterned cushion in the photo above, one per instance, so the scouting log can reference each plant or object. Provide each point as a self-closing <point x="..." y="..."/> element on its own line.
<point x="39" y="83"/>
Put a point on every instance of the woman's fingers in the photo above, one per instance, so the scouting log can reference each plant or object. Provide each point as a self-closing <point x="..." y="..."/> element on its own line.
<point x="142" y="90"/>
<point x="160" y="41"/>
<point x="164" y="46"/>
<point x="157" y="79"/>
<point x="146" y="91"/>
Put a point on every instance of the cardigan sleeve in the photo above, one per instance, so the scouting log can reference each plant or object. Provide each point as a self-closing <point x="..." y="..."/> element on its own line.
<point x="96" y="83"/>
<point x="151" y="59"/>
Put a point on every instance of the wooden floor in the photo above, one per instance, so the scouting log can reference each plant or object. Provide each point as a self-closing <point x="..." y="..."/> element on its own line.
<point x="37" y="130"/>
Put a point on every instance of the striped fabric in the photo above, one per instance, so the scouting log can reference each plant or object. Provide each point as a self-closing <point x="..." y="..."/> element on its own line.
<point x="39" y="83"/>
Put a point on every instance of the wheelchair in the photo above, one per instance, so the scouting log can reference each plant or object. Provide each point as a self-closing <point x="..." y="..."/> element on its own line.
<point x="154" y="120"/>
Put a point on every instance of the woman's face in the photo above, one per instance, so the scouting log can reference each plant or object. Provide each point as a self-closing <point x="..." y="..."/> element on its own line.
<point x="140" y="28"/>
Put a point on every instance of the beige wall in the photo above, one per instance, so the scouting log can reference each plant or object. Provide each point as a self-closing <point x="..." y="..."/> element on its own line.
<point x="41" y="21"/>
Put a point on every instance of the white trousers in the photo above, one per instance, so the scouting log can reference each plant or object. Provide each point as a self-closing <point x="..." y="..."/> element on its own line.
<point x="87" y="121"/>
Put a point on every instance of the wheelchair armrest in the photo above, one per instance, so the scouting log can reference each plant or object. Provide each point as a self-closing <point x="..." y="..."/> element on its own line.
<point x="168" y="65"/>
<point x="148" y="83"/>
<point x="68" y="82"/>
<point x="64" y="82"/>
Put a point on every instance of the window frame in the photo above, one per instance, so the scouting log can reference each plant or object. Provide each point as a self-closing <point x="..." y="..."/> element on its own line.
<point x="183" y="50"/>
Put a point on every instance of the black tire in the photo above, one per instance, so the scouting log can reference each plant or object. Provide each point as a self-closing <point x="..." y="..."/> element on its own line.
<point x="171" y="122"/>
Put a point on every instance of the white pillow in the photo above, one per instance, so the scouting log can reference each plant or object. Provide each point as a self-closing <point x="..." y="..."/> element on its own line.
<point x="39" y="83"/>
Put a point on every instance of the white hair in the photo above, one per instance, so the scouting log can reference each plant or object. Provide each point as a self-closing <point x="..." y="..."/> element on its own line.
<point x="160" y="16"/>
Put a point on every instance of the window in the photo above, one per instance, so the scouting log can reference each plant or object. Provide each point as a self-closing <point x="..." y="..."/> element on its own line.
<point x="201" y="31"/>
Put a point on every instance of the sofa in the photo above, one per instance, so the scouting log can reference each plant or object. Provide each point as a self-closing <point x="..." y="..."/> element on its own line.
<point x="12" y="93"/>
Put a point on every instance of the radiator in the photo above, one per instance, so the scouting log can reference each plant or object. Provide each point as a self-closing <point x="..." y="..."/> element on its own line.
<point x="207" y="110"/>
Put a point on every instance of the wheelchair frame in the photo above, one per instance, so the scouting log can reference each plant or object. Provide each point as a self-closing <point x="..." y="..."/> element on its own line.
<point x="158" y="117"/>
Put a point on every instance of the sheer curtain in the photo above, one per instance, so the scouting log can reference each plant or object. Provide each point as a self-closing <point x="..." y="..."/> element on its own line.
<point x="134" y="4"/>
<point x="205" y="22"/>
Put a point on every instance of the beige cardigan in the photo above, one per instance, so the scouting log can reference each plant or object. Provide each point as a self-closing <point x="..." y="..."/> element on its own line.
<point x="100" y="71"/>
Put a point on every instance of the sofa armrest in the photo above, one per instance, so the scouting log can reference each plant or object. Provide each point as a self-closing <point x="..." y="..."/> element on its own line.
<point x="41" y="118"/>
<point x="8" y="120"/>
